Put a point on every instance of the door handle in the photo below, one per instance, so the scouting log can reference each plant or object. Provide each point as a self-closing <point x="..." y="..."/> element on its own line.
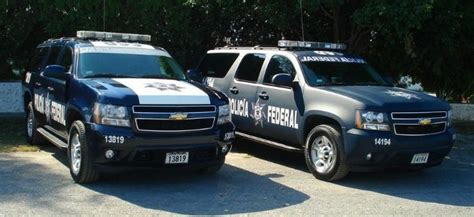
<point x="51" y="88"/>
<point x="234" y="90"/>
<point x="263" y="95"/>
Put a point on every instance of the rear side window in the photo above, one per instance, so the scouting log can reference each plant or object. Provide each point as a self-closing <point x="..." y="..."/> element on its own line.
<point x="53" y="55"/>
<point x="217" y="64"/>
<point x="249" y="67"/>
<point x="278" y="65"/>
<point x="38" y="59"/>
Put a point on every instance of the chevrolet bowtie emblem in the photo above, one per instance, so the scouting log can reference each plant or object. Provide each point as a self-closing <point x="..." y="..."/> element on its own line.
<point x="178" y="116"/>
<point x="425" y="122"/>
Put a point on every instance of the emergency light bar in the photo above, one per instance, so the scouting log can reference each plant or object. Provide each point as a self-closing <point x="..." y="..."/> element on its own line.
<point x="311" y="45"/>
<point x="113" y="36"/>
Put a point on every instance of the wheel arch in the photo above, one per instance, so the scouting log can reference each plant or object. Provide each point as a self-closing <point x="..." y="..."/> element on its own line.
<point x="315" y="118"/>
<point x="73" y="114"/>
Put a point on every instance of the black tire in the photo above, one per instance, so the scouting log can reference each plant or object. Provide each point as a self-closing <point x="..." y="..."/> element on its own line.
<point x="33" y="137"/>
<point x="212" y="170"/>
<point x="86" y="172"/>
<point x="339" y="169"/>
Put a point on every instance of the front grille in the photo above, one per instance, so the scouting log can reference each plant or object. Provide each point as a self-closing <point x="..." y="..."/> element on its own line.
<point x="418" y="115"/>
<point x="174" y="125"/>
<point x="415" y="130"/>
<point x="173" y="109"/>
<point x="409" y="123"/>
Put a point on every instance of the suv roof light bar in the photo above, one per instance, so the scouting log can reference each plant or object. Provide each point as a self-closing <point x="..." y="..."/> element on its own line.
<point x="311" y="45"/>
<point x="113" y="36"/>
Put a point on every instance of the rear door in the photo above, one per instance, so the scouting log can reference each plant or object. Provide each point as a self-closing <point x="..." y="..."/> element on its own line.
<point x="281" y="103"/>
<point x="242" y="92"/>
<point x="35" y="82"/>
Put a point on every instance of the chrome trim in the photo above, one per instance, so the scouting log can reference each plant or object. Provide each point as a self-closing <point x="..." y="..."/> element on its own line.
<point x="428" y="112"/>
<point x="157" y="106"/>
<point x="268" y="142"/>
<point x="166" y="119"/>
<point x="412" y="124"/>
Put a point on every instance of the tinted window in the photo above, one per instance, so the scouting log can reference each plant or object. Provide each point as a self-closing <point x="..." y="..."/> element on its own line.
<point x="53" y="55"/>
<point x="217" y="64"/>
<point x="66" y="59"/>
<point x="38" y="59"/>
<point x="277" y="65"/>
<point x="249" y="67"/>
<point x="329" y="73"/>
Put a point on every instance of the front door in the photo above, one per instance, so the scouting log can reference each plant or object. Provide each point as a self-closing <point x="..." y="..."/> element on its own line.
<point x="279" y="103"/>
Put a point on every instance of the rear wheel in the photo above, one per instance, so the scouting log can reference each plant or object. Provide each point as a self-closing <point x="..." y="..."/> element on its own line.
<point x="324" y="153"/>
<point x="81" y="165"/>
<point x="32" y="136"/>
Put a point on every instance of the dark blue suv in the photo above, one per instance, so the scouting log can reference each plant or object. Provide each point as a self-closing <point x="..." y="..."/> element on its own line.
<point x="111" y="101"/>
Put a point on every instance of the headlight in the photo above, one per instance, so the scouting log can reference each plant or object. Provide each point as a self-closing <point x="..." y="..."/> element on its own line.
<point x="224" y="115"/>
<point x="369" y="120"/>
<point x="450" y="117"/>
<point x="111" y="115"/>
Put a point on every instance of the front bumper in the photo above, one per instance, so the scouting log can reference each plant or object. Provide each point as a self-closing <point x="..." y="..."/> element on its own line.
<point x="400" y="151"/>
<point x="148" y="150"/>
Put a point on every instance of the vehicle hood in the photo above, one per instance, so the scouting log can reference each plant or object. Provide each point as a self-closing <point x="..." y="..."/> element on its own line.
<point x="136" y="91"/>
<point x="390" y="98"/>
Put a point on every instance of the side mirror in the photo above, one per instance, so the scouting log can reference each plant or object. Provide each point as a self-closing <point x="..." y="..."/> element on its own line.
<point x="55" y="71"/>
<point x="194" y="75"/>
<point x="282" y="79"/>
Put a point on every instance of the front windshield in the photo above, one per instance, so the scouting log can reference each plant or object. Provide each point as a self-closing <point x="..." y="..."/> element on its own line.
<point x="113" y="65"/>
<point x="337" y="73"/>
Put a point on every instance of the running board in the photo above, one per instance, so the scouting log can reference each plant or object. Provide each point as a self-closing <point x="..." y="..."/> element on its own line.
<point x="269" y="142"/>
<point x="52" y="138"/>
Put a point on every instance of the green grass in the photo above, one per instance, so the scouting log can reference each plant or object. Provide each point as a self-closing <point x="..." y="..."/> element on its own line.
<point x="12" y="136"/>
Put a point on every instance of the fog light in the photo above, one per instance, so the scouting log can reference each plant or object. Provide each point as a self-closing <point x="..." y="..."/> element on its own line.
<point x="369" y="156"/>
<point x="109" y="154"/>
<point x="225" y="148"/>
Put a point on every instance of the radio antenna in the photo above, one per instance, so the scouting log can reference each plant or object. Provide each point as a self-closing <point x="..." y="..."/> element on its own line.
<point x="301" y="19"/>
<point x="103" y="18"/>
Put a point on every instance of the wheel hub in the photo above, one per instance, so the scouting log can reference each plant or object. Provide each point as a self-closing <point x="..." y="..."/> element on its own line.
<point x="322" y="154"/>
<point x="75" y="154"/>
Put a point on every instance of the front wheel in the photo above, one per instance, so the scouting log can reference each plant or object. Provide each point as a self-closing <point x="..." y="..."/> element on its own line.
<point x="81" y="165"/>
<point x="324" y="153"/>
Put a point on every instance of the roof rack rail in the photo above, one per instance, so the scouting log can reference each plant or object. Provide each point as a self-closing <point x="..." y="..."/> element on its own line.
<point x="113" y="36"/>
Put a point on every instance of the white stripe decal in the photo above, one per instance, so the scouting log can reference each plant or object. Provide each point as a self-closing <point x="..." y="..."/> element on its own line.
<point x="165" y="92"/>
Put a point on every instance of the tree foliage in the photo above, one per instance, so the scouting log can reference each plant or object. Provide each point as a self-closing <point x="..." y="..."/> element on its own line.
<point x="431" y="40"/>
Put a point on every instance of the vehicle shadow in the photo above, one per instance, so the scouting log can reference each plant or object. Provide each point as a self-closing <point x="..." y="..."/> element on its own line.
<point x="450" y="183"/>
<point x="231" y="191"/>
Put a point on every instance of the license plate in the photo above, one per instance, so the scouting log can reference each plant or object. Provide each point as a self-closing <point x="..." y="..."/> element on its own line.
<point x="421" y="158"/>
<point x="177" y="158"/>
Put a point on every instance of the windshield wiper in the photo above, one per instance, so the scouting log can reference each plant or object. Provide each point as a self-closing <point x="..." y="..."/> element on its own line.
<point x="160" y="77"/>
<point x="108" y="75"/>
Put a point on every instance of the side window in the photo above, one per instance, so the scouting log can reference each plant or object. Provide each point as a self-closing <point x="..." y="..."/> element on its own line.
<point x="217" y="64"/>
<point x="66" y="58"/>
<point x="249" y="67"/>
<point x="53" y="55"/>
<point x="38" y="59"/>
<point x="277" y="65"/>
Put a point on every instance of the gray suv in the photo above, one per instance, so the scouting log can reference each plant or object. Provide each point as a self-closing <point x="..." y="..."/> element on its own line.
<point x="312" y="97"/>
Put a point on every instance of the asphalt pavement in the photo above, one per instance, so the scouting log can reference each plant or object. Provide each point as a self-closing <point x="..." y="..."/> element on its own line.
<point x="256" y="180"/>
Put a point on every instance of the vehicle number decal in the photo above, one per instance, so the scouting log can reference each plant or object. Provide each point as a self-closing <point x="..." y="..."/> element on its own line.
<point x="114" y="139"/>
<point x="382" y="141"/>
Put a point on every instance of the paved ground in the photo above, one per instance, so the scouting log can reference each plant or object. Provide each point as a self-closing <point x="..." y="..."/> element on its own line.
<point x="263" y="182"/>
